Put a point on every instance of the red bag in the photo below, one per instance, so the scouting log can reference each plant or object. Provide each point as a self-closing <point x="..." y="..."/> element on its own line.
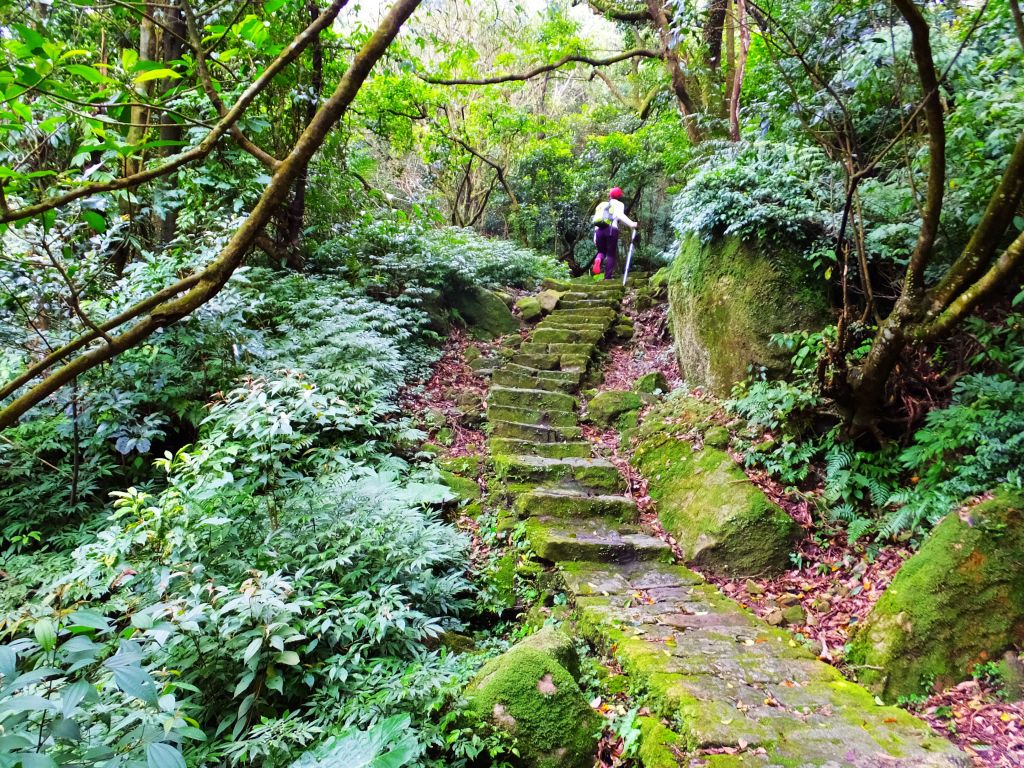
<point x="597" y="264"/>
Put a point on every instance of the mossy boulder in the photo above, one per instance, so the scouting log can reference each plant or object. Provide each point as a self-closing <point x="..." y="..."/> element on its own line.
<point x="529" y="308"/>
<point x="958" y="601"/>
<point x="720" y="520"/>
<point x="484" y="312"/>
<point x="557" y="644"/>
<point x="527" y="693"/>
<point x="463" y="487"/>
<point x="728" y="296"/>
<point x="608" y="408"/>
<point x="652" y="382"/>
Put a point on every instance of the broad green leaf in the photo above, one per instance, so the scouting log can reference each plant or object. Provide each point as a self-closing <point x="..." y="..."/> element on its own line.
<point x="99" y="224"/>
<point x="33" y="760"/>
<point x="160" y="755"/>
<point x="32" y="38"/>
<point x="288" y="658"/>
<point x="129" y="58"/>
<point x="156" y="74"/>
<point x="91" y="74"/>
<point x="27" y="703"/>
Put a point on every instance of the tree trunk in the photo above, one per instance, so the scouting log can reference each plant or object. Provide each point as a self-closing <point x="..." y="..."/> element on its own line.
<point x="296" y="213"/>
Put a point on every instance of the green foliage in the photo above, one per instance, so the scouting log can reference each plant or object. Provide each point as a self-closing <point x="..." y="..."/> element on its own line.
<point x="774" y="192"/>
<point x="968" y="447"/>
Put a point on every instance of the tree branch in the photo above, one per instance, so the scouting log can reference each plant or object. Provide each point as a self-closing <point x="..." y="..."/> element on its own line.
<point x="618" y="13"/>
<point x="212" y="279"/>
<point x="196" y="43"/>
<point x="543" y="68"/>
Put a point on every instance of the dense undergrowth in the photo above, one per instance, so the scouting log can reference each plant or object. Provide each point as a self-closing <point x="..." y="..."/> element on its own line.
<point x="285" y="573"/>
<point x="970" y="445"/>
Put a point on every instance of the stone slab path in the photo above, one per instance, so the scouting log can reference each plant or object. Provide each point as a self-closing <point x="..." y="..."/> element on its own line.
<point x="736" y="691"/>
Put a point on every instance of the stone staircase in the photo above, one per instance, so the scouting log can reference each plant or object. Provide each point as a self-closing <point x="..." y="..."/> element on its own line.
<point x="736" y="691"/>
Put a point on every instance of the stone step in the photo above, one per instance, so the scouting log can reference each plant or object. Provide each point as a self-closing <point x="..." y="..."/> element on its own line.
<point x="559" y="539"/>
<point x="538" y="348"/>
<point x="552" y="503"/>
<point x="588" y="287"/>
<point x="543" y="361"/>
<point x="586" y="304"/>
<point x="590" y="314"/>
<point x="506" y="377"/>
<point x="574" y="362"/>
<point x="537" y="416"/>
<point x="531" y="398"/>
<point x="567" y="376"/>
<point x="550" y="450"/>
<point x="598" y="476"/>
<point x="564" y="324"/>
<point x="728" y="680"/>
<point x="566" y="336"/>
<point x="534" y="432"/>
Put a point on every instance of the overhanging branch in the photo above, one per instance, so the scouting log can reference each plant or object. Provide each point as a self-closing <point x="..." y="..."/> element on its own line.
<point x="644" y="53"/>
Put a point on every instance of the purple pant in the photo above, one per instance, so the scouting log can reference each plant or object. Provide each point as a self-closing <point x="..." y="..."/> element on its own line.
<point x="608" y="248"/>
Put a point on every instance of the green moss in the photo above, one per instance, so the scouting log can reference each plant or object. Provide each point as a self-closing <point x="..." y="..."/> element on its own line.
<point x="606" y="408"/>
<point x="528" y="694"/>
<point x="529" y="307"/>
<point x="654" y="381"/>
<point x="728" y="297"/>
<point x="719" y="519"/>
<point x="467" y="466"/>
<point x="485" y="314"/>
<point x="958" y="601"/>
<point x="659" y="747"/>
<point x="557" y="644"/>
<point x="464" y="487"/>
<point x="531" y="398"/>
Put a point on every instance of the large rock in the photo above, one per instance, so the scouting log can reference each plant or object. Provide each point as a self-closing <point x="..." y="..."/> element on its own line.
<point x="727" y="297"/>
<point x="486" y="315"/>
<point x="720" y="520"/>
<point x="528" y="693"/>
<point x="958" y="601"/>
<point x="609" y="407"/>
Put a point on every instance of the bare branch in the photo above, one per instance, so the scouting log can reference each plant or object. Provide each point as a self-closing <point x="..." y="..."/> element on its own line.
<point x="543" y="68"/>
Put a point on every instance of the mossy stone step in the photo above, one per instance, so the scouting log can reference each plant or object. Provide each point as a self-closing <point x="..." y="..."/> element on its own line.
<point x="574" y="362"/>
<point x="566" y="376"/>
<point x="575" y="324"/>
<point x="566" y="335"/>
<point x="551" y="450"/>
<point x="547" y="417"/>
<point x="535" y="433"/>
<point x="566" y="286"/>
<point x="588" y="313"/>
<point x="531" y="398"/>
<point x="559" y="539"/>
<point x="506" y="377"/>
<point x="730" y="680"/>
<point x="597" y="476"/>
<point x="542" y="361"/>
<point x="576" y="304"/>
<point x="538" y="348"/>
<point x="553" y="503"/>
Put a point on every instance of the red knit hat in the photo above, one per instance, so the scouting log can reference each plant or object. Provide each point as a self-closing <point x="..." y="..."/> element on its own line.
<point x="615" y="194"/>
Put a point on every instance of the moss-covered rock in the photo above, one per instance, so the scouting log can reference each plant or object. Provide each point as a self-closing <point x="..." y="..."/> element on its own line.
<point x="652" y="382"/>
<point x="728" y="297"/>
<point x="557" y="644"/>
<point x="958" y="601"/>
<point x="529" y="308"/>
<point x="719" y="519"/>
<point x="659" y="747"/>
<point x="548" y="299"/>
<point x="486" y="315"/>
<point x="528" y="694"/>
<point x="464" y="487"/>
<point x="607" y="408"/>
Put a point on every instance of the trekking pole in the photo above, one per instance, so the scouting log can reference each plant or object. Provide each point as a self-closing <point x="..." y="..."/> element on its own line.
<point x="629" y="258"/>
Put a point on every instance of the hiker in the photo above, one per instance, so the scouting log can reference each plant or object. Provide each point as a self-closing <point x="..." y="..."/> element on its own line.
<point x="607" y="218"/>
